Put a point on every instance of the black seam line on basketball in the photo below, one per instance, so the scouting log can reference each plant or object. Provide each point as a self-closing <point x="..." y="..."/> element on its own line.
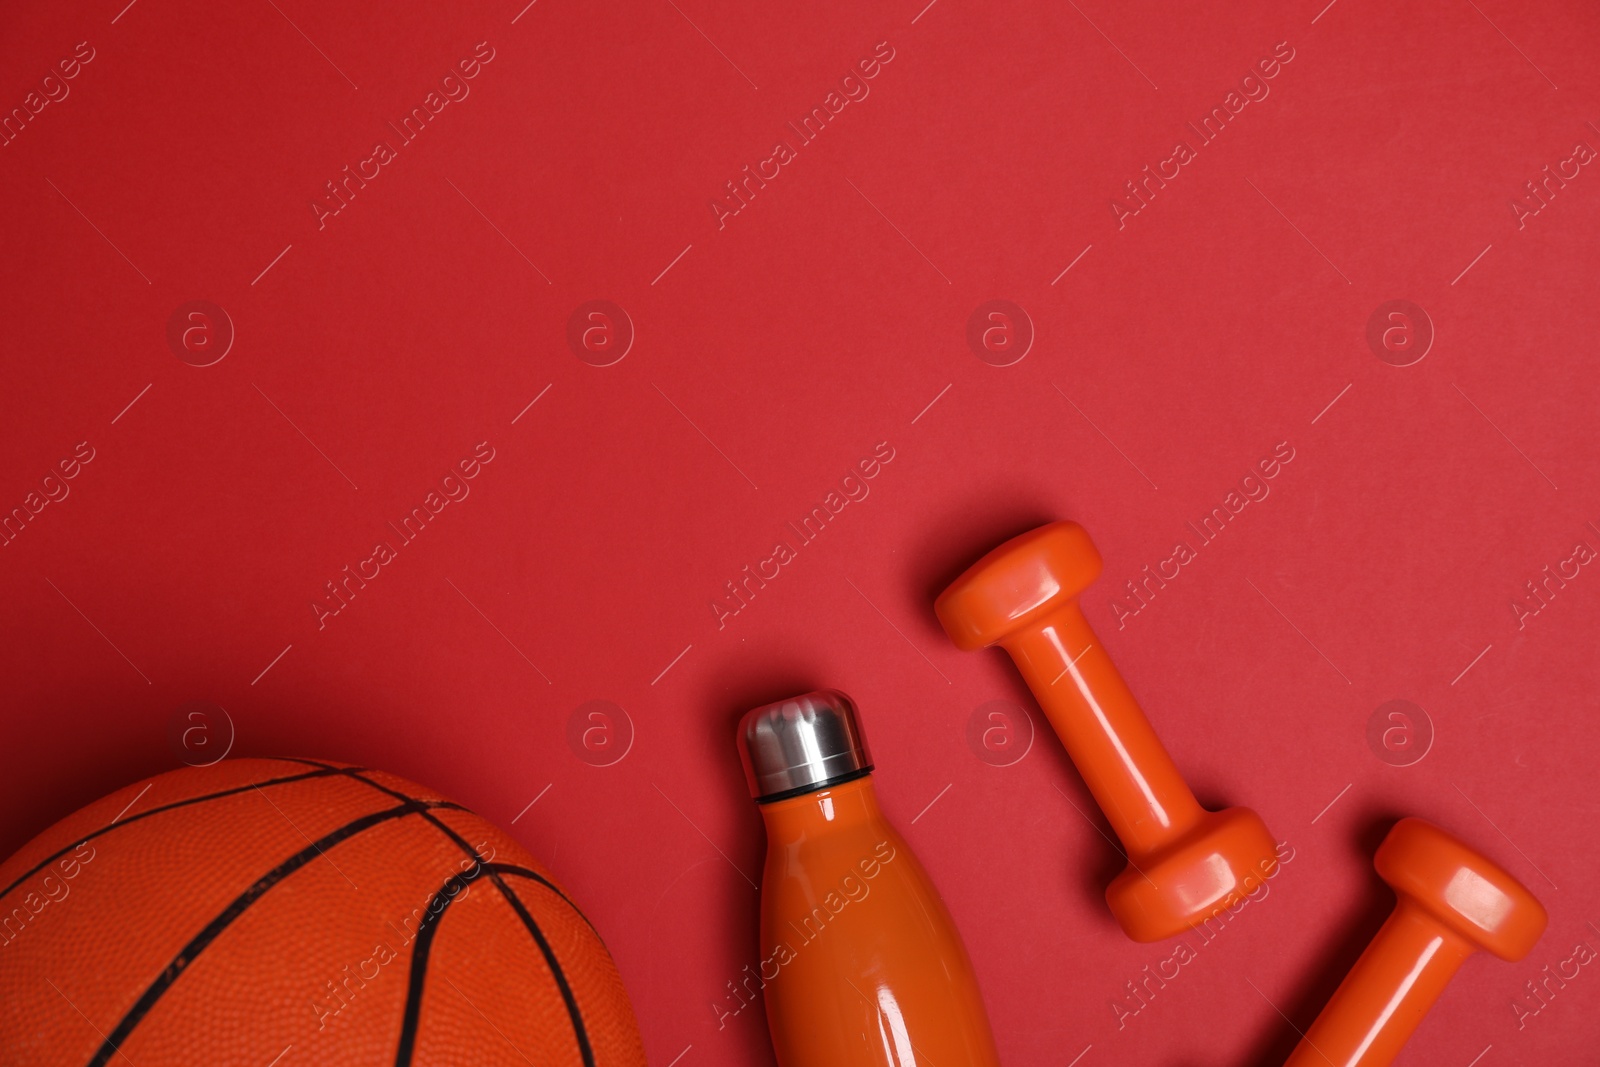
<point x="462" y="843"/>
<point x="466" y="846"/>
<point x="380" y="787"/>
<point x="198" y="944"/>
<point x="358" y="774"/>
<point x="470" y="849"/>
<point x="506" y="868"/>
<point x="403" y="1051"/>
<point x="579" y="1031"/>
<point x="422" y="946"/>
<point x="168" y="807"/>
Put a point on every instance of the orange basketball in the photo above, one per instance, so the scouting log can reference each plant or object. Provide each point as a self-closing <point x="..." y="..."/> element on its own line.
<point x="278" y="913"/>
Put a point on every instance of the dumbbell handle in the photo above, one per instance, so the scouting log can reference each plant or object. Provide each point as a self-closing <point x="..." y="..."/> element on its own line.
<point x="1386" y="994"/>
<point x="1103" y="728"/>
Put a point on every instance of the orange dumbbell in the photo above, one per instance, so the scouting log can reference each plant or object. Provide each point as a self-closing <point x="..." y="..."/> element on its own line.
<point x="1185" y="863"/>
<point x="1451" y="902"/>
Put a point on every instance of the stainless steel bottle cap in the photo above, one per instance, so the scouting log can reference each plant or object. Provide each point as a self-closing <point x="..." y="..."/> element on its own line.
<point x="802" y="744"/>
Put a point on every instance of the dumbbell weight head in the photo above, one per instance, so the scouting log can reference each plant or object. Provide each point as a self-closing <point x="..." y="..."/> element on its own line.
<point x="1467" y="893"/>
<point x="1451" y="901"/>
<point x="1017" y="583"/>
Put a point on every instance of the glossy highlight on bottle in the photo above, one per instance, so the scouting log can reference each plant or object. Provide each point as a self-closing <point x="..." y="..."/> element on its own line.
<point x="862" y="965"/>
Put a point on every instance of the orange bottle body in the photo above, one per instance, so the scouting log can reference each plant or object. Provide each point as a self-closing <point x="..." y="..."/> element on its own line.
<point x="861" y="963"/>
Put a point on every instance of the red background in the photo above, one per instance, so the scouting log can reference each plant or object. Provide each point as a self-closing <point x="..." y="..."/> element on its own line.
<point x="770" y="356"/>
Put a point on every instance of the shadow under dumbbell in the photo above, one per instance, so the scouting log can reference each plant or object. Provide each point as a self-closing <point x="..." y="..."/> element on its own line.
<point x="953" y="541"/>
<point x="1090" y="869"/>
<point x="1345" y="936"/>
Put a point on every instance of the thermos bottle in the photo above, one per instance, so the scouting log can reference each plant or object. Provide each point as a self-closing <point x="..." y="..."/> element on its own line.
<point x="861" y="964"/>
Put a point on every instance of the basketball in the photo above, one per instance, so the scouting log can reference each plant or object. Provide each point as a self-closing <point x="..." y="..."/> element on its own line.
<point x="280" y="913"/>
